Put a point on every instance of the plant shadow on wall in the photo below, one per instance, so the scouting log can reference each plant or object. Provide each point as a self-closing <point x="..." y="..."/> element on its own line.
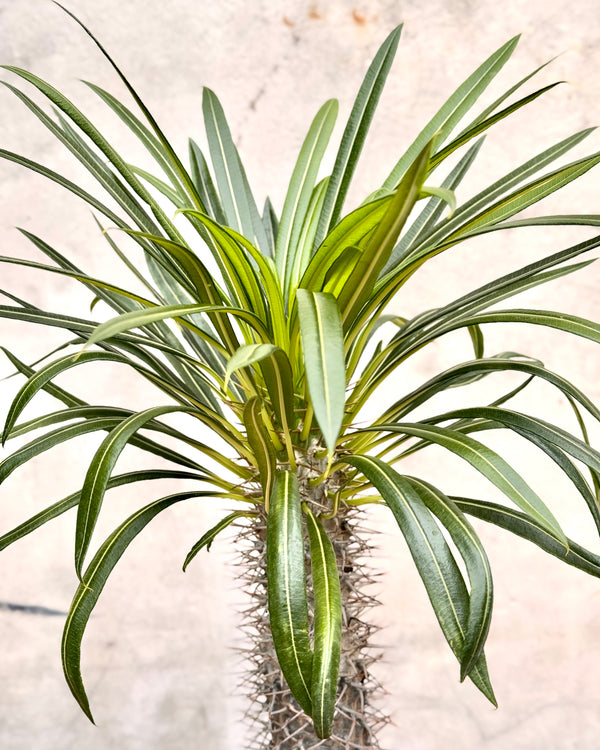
<point x="271" y="332"/>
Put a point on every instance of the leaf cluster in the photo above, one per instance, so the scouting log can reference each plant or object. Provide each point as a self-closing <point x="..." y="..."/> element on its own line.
<point x="272" y="333"/>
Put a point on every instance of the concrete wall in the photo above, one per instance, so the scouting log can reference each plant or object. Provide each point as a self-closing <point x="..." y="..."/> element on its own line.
<point x="158" y="657"/>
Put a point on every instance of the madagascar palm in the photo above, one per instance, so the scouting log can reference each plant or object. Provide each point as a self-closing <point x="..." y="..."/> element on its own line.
<point x="273" y="333"/>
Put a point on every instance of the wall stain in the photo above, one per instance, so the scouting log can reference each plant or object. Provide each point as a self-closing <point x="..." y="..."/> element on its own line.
<point x="359" y="17"/>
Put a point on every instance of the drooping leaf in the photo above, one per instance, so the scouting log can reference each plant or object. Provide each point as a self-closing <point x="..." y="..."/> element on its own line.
<point x="286" y="581"/>
<point x="524" y="526"/>
<point x="327" y="625"/>
<point x="488" y="463"/>
<point x="436" y="565"/>
<point x="478" y="569"/>
<point x="99" y="472"/>
<point x="207" y="539"/>
<point x="92" y="583"/>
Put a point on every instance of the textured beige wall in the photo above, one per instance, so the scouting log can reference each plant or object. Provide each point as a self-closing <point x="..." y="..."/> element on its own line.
<point x="158" y="658"/>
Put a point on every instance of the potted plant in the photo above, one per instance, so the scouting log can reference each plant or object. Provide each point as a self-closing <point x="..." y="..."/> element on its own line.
<point x="274" y="334"/>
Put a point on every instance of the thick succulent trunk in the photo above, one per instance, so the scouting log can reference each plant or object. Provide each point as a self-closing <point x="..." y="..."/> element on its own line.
<point x="278" y="722"/>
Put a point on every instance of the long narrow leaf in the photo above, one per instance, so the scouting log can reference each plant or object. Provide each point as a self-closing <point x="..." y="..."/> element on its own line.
<point x="92" y="584"/>
<point x="488" y="463"/>
<point x="478" y="569"/>
<point x="355" y="133"/>
<point x="99" y="472"/>
<point x="323" y="347"/>
<point x="300" y="189"/>
<point x="524" y="526"/>
<point x="62" y="506"/>
<point x="207" y="539"/>
<point x="327" y="625"/>
<point x="436" y="565"/>
<point x="261" y="445"/>
<point x="286" y="578"/>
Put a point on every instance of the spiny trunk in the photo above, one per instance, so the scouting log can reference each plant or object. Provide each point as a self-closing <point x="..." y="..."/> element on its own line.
<point x="278" y="722"/>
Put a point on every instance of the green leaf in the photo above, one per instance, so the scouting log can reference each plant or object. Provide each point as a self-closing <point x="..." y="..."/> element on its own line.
<point x="351" y="231"/>
<point x="98" y="474"/>
<point x="432" y="556"/>
<point x="140" y="318"/>
<point x="323" y="348"/>
<point x="526" y="424"/>
<point x="380" y="245"/>
<point x="92" y="584"/>
<point x="286" y="580"/>
<point x="277" y="372"/>
<point x="167" y="149"/>
<point x="477" y="206"/>
<point x="327" y="625"/>
<point x="475" y="369"/>
<point x="63" y="434"/>
<point x="477" y="565"/>
<point x="482" y="124"/>
<point x="62" y="506"/>
<point x="488" y="463"/>
<point x="102" y="144"/>
<point x="204" y="184"/>
<point x="454" y="109"/>
<point x="260" y="444"/>
<point x="524" y="526"/>
<point x="238" y="203"/>
<point x="300" y="190"/>
<point x="247" y="355"/>
<point x="43" y="376"/>
<point x="355" y="133"/>
<point x="207" y="539"/>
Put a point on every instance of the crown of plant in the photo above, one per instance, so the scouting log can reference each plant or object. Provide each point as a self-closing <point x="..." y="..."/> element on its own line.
<point x="273" y="332"/>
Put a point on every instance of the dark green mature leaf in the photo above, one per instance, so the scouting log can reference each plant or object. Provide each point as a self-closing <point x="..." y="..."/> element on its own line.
<point x="323" y="348"/>
<point x="207" y="539"/>
<point x="45" y="442"/>
<point x="478" y="569"/>
<point x="478" y="368"/>
<point x="99" y="472"/>
<point x="43" y="376"/>
<point x="92" y="583"/>
<point x="327" y="625"/>
<point x="286" y="579"/>
<point x="525" y="527"/>
<point x="487" y="462"/>
<point x="526" y="424"/>
<point x="62" y="506"/>
<point x="436" y="565"/>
